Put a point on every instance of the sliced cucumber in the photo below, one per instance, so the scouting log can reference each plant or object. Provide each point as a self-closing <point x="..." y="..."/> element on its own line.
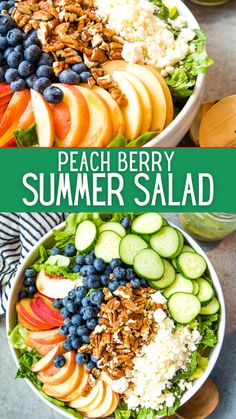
<point x="187" y="248"/>
<point x="195" y="287"/>
<point x="173" y="261"/>
<point x="130" y="245"/>
<point x="148" y="264"/>
<point x="206" y="291"/>
<point x="148" y="223"/>
<point x="184" y="307"/>
<point x="113" y="226"/>
<point x="165" y="242"/>
<point x="181" y="244"/>
<point x="85" y="236"/>
<point x="180" y="284"/>
<point x="167" y="279"/>
<point x="107" y="246"/>
<point x="211" y="308"/>
<point x="191" y="265"/>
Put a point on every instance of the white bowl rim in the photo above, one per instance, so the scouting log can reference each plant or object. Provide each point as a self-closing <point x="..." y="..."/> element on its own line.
<point x="213" y="355"/>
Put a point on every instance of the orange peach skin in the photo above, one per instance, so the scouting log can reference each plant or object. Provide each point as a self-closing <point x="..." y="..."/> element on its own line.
<point x="62" y="120"/>
<point x="46" y="337"/>
<point x="28" y="318"/>
<point x="68" y="386"/>
<point x="44" y="120"/>
<point x="62" y="373"/>
<point x="45" y="313"/>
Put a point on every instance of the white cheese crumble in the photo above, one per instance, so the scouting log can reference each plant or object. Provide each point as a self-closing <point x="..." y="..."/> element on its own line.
<point x="119" y="386"/>
<point x="148" y="38"/>
<point x="159" y="315"/>
<point x="158" y="298"/>
<point x="158" y="363"/>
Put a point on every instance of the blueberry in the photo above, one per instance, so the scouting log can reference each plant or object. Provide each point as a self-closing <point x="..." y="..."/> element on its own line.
<point x="89" y="259"/>
<point x="4" y="5"/>
<point x="77" y="320"/>
<point x="79" y="67"/>
<point x="76" y="268"/>
<point x="14" y="37"/>
<point x="135" y="283"/>
<point x="86" y="339"/>
<point x="1" y="59"/>
<point x="45" y="71"/>
<point x="80" y="259"/>
<point x="55" y="251"/>
<point x="46" y="59"/>
<point x="59" y="361"/>
<point x="2" y="74"/>
<point x="123" y="283"/>
<point x="81" y="359"/>
<point x="66" y="300"/>
<point x="104" y="280"/>
<point x="88" y="313"/>
<point x="125" y="222"/>
<point x="82" y="330"/>
<point x="67" y="345"/>
<point x="99" y="265"/>
<point x="7" y="51"/>
<point x="85" y="76"/>
<point x="41" y="84"/>
<point x="18" y="48"/>
<point x="28" y="281"/>
<point x="143" y="283"/>
<point x="30" y="273"/>
<point x="72" y="329"/>
<point x="32" y="53"/>
<point x="87" y="270"/>
<point x="63" y="330"/>
<point x="67" y="322"/>
<point x="96" y="297"/>
<point x="71" y="307"/>
<point x="70" y="250"/>
<point x="69" y="77"/>
<point x="6" y="23"/>
<point x="93" y="359"/>
<point x="25" y="69"/>
<point x="57" y="303"/>
<point x="113" y="285"/>
<point x="32" y="290"/>
<point x="14" y="59"/>
<point x="30" y="81"/>
<point x="3" y="42"/>
<point x="93" y="281"/>
<point x="81" y="291"/>
<point x="64" y="312"/>
<point x="53" y="94"/>
<point x="130" y="274"/>
<point x="114" y="263"/>
<point x="90" y="365"/>
<point x="108" y="270"/>
<point x="119" y="272"/>
<point x="77" y="300"/>
<point x="76" y="342"/>
<point x="91" y="323"/>
<point x="23" y="294"/>
<point x="11" y="10"/>
<point x="32" y="39"/>
<point x="86" y="302"/>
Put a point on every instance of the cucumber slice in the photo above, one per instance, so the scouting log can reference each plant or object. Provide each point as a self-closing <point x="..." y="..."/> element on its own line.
<point x="211" y="308"/>
<point x="206" y="291"/>
<point x="130" y="245"/>
<point x="148" y="264"/>
<point x="173" y="261"/>
<point x="180" y="284"/>
<point x="147" y="223"/>
<point x="187" y="248"/>
<point x="113" y="226"/>
<point x="196" y="287"/>
<point x="184" y="307"/>
<point x="107" y="246"/>
<point x="85" y="236"/>
<point x="166" y="242"/>
<point x="167" y="279"/>
<point x="181" y="244"/>
<point x="191" y="265"/>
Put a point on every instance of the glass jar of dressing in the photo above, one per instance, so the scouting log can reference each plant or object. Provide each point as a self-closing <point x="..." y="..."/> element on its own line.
<point x="208" y="226"/>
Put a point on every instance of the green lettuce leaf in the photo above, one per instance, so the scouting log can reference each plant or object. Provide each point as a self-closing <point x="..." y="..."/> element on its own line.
<point x="26" y="137"/>
<point x="122" y="411"/>
<point x="119" y="141"/>
<point x="143" y="139"/>
<point x="208" y="327"/>
<point x="16" y="337"/>
<point x="56" y="270"/>
<point x="165" y="12"/>
<point x="26" y="360"/>
<point x="62" y="406"/>
<point x="191" y="368"/>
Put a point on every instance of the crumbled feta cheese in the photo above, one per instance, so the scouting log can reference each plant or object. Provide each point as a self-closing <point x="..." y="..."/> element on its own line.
<point x="158" y="298"/>
<point x="119" y="386"/>
<point x="159" y="315"/>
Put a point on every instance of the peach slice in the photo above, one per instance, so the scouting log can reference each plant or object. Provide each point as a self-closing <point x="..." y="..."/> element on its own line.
<point x="46" y="360"/>
<point x="5" y="89"/>
<point x="117" y="117"/>
<point x="62" y="120"/>
<point x="27" y="118"/>
<point x="45" y="312"/>
<point x="62" y="373"/>
<point x="85" y="401"/>
<point x="4" y="100"/>
<point x="84" y="376"/>
<point x="44" y="349"/>
<point x="23" y="309"/>
<point x="99" y="399"/>
<point x="46" y="337"/>
<point x="100" y="127"/>
<point x="79" y="116"/>
<point x="152" y="85"/>
<point x="62" y="390"/>
<point x="143" y="97"/>
<point x="166" y="91"/>
<point x="27" y="324"/>
<point x="44" y="120"/>
<point x="104" y="406"/>
<point x="115" y="402"/>
<point x="55" y="287"/>
<point x="50" y="371"/>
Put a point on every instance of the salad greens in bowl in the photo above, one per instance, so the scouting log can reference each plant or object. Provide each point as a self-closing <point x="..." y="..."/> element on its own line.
<point x="116" y="314"/>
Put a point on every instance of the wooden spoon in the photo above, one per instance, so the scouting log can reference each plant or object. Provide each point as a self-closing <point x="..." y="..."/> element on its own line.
<point x="194" y="129"/>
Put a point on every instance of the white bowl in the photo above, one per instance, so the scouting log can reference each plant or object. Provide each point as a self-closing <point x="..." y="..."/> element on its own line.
<point x="46" y="241"/>
<point x="174" y="133"/>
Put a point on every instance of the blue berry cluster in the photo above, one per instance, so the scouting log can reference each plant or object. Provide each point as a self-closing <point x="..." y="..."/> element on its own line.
<point x="29" y="284"/>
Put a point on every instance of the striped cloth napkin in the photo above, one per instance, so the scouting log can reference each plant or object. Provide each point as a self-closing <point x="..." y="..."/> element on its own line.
<point x="18" y="234"/>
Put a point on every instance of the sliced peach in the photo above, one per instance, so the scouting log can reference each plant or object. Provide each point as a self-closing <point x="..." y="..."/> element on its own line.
<point x="152" y="85"/>
<point x="5" y="89"/>
<point x="85" y="401"/>
<point x="62" y="390"/>
<point x="50" y="371"/>
<point x="4" y="100"/>
<point x="27" y="118"/>
<point x="26" y="323"/>
<point x="115" y="402"/>
<point x="44" y="349"/>
<point x="46" y="360"/>
<point x="62" y="373"/>
<point x="79" y="116"/>
<point x="55" y="287"/>
<point x="45" y="312"/>
<point x="100" y="123"/>
<point x="46" y="337"/>
<point x="117" y="116"/>
<point x="62" y="119"/>
<point x="104" y="406"/>
<point x="84" y="376"/>
<point x="44" y="120"/>
<point x="24" y="309"/>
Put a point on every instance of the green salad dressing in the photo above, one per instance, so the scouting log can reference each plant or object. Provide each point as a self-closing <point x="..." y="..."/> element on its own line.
<point x="209" y="226"/>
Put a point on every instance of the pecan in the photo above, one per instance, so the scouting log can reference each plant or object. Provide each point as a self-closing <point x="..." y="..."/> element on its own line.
<point x="42" y="15"/>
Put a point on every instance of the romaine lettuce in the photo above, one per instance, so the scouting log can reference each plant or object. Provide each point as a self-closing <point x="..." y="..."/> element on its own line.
<point x="16" y="337"/>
